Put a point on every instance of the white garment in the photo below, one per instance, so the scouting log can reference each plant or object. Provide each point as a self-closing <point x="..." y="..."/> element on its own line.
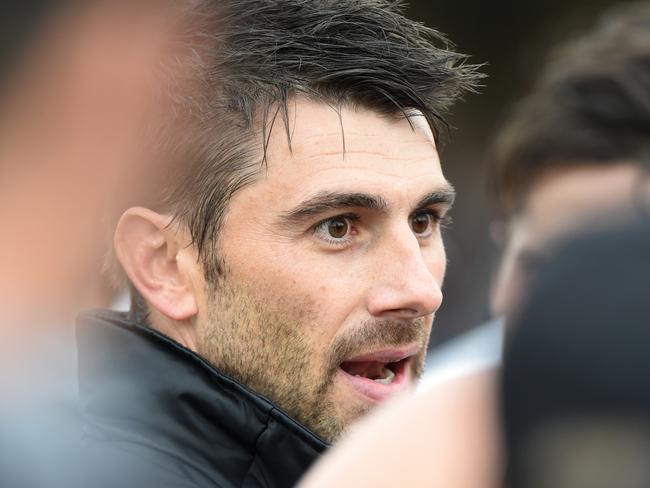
<point x="478" y="349"/>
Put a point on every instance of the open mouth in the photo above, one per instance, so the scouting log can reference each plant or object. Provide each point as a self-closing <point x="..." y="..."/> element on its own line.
<point x="380" y="375"/>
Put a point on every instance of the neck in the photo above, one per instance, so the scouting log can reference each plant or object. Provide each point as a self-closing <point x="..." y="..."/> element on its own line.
<point x="183" y="332"/>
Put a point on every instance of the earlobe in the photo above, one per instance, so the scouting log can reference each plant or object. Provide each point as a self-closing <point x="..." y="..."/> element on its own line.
<point x="148" y="249"/>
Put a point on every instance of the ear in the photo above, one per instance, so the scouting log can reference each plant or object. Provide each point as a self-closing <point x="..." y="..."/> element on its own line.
<point x="151" y="251"/>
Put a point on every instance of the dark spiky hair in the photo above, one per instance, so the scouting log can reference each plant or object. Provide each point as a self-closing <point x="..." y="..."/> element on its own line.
<point x="254" y="56"/>
<point x="339" y="51"/>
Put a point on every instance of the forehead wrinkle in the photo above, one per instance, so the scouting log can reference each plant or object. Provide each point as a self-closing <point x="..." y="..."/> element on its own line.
<point x="387" y="152"/>
<point x="371" y="154"/>
<point x="382" y="147"/>
<point x="353" y="169"/>
<point x="365" y="135"/>
<point x="349" y="143"/>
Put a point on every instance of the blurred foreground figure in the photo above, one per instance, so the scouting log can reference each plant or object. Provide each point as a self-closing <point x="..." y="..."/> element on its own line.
<point x="575" y="155"/>
<point x="75" y="108"/>
<point x="575" y="397"/>
<point x="446" y="437"/>
<point x="81" y="90"/>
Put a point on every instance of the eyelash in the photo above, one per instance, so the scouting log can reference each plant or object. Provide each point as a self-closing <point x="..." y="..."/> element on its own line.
<point x="442" y="220"/>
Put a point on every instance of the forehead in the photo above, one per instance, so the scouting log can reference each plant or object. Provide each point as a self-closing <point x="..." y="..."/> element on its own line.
<point x="351" y="148"/>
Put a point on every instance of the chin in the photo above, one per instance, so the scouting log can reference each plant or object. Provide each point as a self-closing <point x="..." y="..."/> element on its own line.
<point x="351" y="404"/>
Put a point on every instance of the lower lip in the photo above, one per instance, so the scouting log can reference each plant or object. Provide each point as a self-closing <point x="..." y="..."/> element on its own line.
<point x="377" y="392"/>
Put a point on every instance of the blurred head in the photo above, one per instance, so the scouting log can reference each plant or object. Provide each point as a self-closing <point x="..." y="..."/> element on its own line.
<point x="577" y="150"/>
<point x="74" y="110"/>
<point x="297" y="247"/>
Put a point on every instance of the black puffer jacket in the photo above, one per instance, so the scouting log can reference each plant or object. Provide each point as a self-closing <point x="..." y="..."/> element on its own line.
<point x="158" y="415"/>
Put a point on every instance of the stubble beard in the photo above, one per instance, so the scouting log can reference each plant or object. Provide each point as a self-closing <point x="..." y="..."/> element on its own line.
<point x="262" y="343"/>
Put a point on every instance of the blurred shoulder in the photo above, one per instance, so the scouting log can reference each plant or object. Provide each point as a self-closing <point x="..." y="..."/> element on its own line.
<point x="431" y="439"/>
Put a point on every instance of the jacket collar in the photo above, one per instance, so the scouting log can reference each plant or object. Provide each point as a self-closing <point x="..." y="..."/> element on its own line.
<point x="140" y="387"/>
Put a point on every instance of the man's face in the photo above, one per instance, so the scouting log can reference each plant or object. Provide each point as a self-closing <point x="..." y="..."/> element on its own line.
<point x="334" y="263"/>
<point x="560" y="203"/>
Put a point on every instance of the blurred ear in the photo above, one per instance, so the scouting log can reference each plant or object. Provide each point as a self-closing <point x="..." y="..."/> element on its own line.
<point x="151" y="251"/>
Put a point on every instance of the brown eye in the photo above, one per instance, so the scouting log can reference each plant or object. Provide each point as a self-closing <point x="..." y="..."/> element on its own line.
<point x="335" y="231"/>
<point x="338" y="228"/>
<point x="421" y="223"/>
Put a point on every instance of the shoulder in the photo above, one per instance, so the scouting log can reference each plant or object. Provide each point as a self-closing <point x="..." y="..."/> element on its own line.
<point x="426" y="440"/>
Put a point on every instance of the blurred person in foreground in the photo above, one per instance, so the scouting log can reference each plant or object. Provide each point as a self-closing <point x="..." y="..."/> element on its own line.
<point x="81" y="87"/>
<point x="286" y="280"/>
<point x="575" y="154"/>
<point x="75" y="106"/>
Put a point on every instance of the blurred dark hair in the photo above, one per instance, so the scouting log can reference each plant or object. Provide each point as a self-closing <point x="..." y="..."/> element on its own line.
<point x="252" y="57"/>
<point x="591" y="106"/>
<point x="19" y="21"/>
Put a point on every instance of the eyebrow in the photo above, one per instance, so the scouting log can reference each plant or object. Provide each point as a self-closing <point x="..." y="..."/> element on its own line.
<point x="328" y="201"/>
<point x="444" y="196"/>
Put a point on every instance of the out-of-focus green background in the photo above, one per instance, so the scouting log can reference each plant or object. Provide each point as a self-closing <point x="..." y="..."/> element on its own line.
<point x="513" y="39"/>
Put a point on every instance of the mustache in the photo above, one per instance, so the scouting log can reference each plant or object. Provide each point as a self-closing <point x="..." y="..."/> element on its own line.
<point x="374" y="334"/>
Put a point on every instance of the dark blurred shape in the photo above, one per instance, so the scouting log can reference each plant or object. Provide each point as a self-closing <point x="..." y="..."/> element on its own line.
<point x="574" y="157"/>
<point x="19" y="20"/>
<point x="576" y="392"/>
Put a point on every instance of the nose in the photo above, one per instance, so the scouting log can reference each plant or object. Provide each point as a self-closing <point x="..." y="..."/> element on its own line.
<point x="407" y="281"/>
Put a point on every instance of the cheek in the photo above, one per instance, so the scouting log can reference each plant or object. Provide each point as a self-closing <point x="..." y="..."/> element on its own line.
<point x="298" y="285"/>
